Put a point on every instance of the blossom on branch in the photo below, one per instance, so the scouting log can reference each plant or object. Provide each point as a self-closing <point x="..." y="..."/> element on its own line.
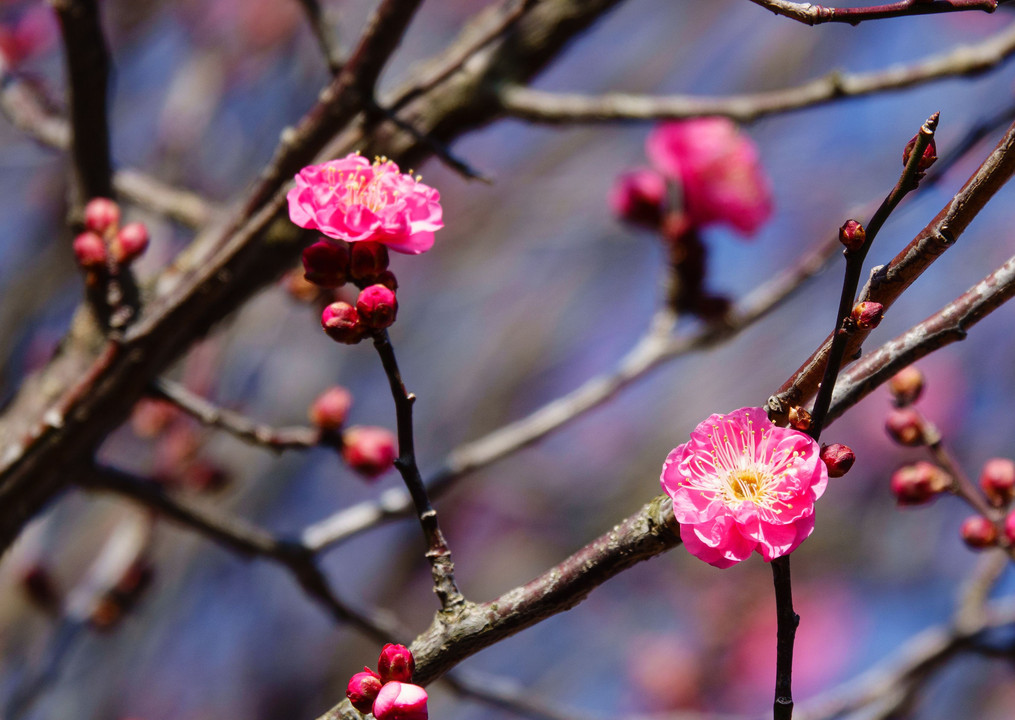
<point x="743" y="484"/>
<point x="718" y="170"/>
<point x="355" y="200"/>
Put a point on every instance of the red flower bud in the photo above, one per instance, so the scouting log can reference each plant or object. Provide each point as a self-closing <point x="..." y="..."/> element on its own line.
<point x="838" y="459"/>
<point x="341" y="321"/>
<point x="90" y="251"/>
<point x="331" y="408"/>
<point x="918" y="483"/>
<point x="396" y="663"/>
<point x="906" y="427"/>
<point x="929" y="153"/>
<point x="400" y="701"/>
<point x="1009" y="527"/>
<point x="638" y="196"/>
<point x="799" y="418"/>
<point x="867" y="315"/>
<point x="377" y="306"/>
<point x="998" y="480"/>
<point x="906" y="386"/>
<point x="326" y="263"/>
<point x="852" y="235"/>
<point x="370" y="451"/>
<point x="978" y="532"/>
<point x="388" y="280"/>
<point x="130" y="242"/>
<point x="368" y="260"/>
<point x="362" y="690"/>
<point x="102" y="216"/>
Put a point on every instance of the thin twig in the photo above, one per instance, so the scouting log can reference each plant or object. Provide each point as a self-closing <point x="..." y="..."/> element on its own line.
<point x="437" y="551"/>
<point x="237" y="424"/>
<point x="652" y="350"/>
<point x="549" y="107"/>
<point x="889" y="281"/>
<point x="323" y="33"/>
<point x="811" y="14"/>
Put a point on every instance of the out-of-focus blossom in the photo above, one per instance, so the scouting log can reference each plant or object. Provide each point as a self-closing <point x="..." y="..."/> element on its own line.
<point x="638" y="196"/>
<point x="743" y="484"/>
<point x="918" y="483"/>
<point x="355" y="200"/>
<point x="718" y="169"/>
<point x="998" y="480"/>
<point x="331" y="408"/>
<point x="401" y="701"/>
<point x="370" y="451"/>
<point x="33" y="33"/>
<point x="978" y="532"/>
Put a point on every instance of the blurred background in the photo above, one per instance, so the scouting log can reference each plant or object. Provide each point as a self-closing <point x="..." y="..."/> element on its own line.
<point x="532" y="288"/>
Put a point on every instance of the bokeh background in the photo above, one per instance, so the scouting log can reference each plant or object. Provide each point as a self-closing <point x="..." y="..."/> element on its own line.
<point x="531" y="289"/>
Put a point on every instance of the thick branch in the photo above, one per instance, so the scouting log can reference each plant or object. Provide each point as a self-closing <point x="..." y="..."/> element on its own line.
<point x="548" y="107"/>
<point x="949" y="325"/>
<point x="811" y="14"/>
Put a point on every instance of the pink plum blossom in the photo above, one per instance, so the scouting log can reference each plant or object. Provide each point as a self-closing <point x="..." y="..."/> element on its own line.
<point x="743" y="484"/>
<point x="718" y="169"/>
<point x="355" y="200"/>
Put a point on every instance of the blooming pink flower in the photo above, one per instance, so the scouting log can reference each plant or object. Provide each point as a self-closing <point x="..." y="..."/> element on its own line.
<point x="718" y="169"/>
<point x="743" y="484"/>
<point x="354" y="200"/>
<point x="400" y="701"/>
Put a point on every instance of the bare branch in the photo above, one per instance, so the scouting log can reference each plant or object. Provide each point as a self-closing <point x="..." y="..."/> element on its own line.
<point x="237" y="424"/>
<point x="323" y="33"/>
<point x="548" y="107"/>
<point x="811" y="14"/>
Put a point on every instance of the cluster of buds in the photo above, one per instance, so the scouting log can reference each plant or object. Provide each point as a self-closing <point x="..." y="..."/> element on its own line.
<point x="104" y="241"/>
<point x="389" y="693"/>
<point x="369" y="451"/>
<point x="997" y="480"/>
<point x="333" y="263"/>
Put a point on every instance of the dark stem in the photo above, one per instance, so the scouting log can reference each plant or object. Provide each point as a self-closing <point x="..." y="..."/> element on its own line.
<point x="788" y="621"/>
<point x="438" y="553"/>
<point x="908" y="181"/>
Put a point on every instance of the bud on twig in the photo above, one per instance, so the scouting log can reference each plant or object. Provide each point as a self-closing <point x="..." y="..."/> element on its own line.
<point x="102" y="216"/>
<point x="918" y="483"/>
<point x="362" y="690"/>
<point x="998" y="481"/>
<point x="838" y="459"/>
<point x="978" y="532"/>
<point x="370" y="451"/>
<point x="129" y="243"/>
<point x="799" y="418"/>
<point x="852" y="235"/>
<point x="400" y="701"/>
<point x="396" y="663"/>
<point x="326" y="263"/>
<point x="330" y="409"/>
<point x="906" y="386"/>
<point x="90" y="251"/>
<point x="341" y="321"/>
<point x="377" y="307"/>
<point x="906" y="427"/>
<point x="867" y="315"/>
<point x="367" y="260"/>
<point x="929" y="153"/>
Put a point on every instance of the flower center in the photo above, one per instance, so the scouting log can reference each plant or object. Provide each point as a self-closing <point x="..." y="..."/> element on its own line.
<point x="749" y="485"/>
<point x="363" y="187"/>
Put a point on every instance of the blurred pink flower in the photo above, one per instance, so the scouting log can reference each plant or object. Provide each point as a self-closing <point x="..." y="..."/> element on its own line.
<point x="743" y="484"/>
<point x="355" y="200"/>
<point x="718" y="169"/>
<point x="638" y="196"/>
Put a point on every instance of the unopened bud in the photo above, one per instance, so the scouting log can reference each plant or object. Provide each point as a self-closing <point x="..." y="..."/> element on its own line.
<point x="370" y="451"/>
<point x="331" y="408"/>
<point x="906" y="385"/>
<point x="978" y="532"/>
<point x="400" y="701"/>
<point x="377" y="306"/>
<point x="367" y="260"/>
<point x="129" y="243"/>
<point x="906" y="427"/>
<point x="838" y="459"/>
<point x="799" y="418"/>
<point x="341" y="321"/>
<point x="326" y="263"/>
<point x="929" y="153"/>
<point x="852" y="235"/>
<point x="998" y="480"/>
<point x="90" y="251"/>
<point x="102" y="216"/>
<point x="867" y="315"/>
<point x="918" y="483"/>
<point x="362" y="690"/>
<point x="388" y="280"/>
<point x="396" y="663"/>
<point x="638" y="196"/>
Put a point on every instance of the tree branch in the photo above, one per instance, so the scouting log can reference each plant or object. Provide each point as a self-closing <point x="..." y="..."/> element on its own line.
<point x="810" y="14"/>
<point x="549" y="107"/>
